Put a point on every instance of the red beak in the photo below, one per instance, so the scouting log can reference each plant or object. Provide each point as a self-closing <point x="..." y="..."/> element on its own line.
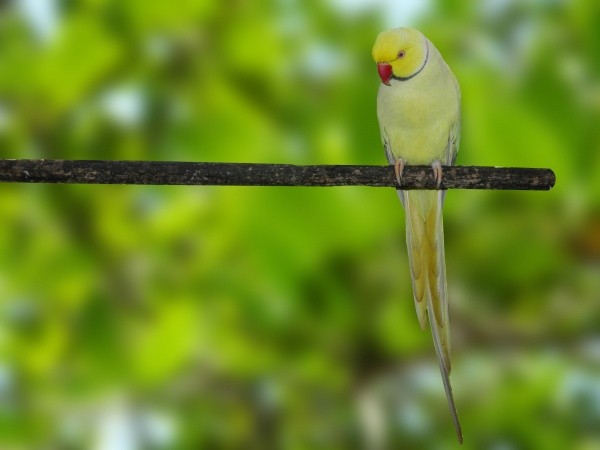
<point x="385" y="72"/>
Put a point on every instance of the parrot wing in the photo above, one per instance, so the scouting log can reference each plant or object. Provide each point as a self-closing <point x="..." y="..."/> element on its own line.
<point x="453" y="142"/>
<point x="390" y="157"/>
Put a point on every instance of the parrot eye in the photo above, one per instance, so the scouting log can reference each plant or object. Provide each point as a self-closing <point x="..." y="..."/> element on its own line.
<point x="401" y="54"/>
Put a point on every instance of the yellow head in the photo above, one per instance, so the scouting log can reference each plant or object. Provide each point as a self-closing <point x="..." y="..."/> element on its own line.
<point x="400" y="53"/>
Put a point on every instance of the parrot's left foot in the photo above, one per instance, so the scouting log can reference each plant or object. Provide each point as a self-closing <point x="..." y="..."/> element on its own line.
<point x="398" y="169"/>
<point x="437" y="172"/>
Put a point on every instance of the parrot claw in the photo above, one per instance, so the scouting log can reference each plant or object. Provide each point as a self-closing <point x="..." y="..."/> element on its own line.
<point x="398" y="169"/>
<point x="437" y="172"/>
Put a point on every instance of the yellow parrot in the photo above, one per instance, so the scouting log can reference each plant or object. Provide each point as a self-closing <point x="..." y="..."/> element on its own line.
<point x="418" y="108"/>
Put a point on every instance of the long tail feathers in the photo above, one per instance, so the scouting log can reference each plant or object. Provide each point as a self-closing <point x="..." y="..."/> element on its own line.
<point x="425" y="243"/>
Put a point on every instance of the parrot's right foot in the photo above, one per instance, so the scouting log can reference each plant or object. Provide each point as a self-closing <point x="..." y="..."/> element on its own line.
<point x="398" y="169"/>
<point x="437" y="172"/>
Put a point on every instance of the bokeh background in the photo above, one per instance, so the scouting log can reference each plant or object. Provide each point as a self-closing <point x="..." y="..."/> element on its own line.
<point x="224" y="317"/>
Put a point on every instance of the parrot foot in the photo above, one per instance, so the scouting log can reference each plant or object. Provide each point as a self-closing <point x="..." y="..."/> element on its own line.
<point x="398" y="169"/>
<point x="437" y="172"/>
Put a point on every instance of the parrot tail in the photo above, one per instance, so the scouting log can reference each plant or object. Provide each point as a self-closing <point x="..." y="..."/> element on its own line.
<point x="425" y="243"/>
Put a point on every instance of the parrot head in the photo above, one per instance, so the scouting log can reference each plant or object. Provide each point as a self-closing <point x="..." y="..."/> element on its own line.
<point x="400" y="53"/>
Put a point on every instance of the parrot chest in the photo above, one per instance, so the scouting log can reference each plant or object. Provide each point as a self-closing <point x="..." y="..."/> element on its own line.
<point x="415" y="120"/>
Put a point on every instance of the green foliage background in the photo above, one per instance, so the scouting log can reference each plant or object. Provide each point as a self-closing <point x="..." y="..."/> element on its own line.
<point x="201" y="317"/>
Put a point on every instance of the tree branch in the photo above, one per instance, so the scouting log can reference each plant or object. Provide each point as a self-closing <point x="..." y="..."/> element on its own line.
<point x="243" y="174"/>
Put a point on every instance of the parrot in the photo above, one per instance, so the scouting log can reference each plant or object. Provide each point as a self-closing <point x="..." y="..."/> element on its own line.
<point x="419" y="115"/>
